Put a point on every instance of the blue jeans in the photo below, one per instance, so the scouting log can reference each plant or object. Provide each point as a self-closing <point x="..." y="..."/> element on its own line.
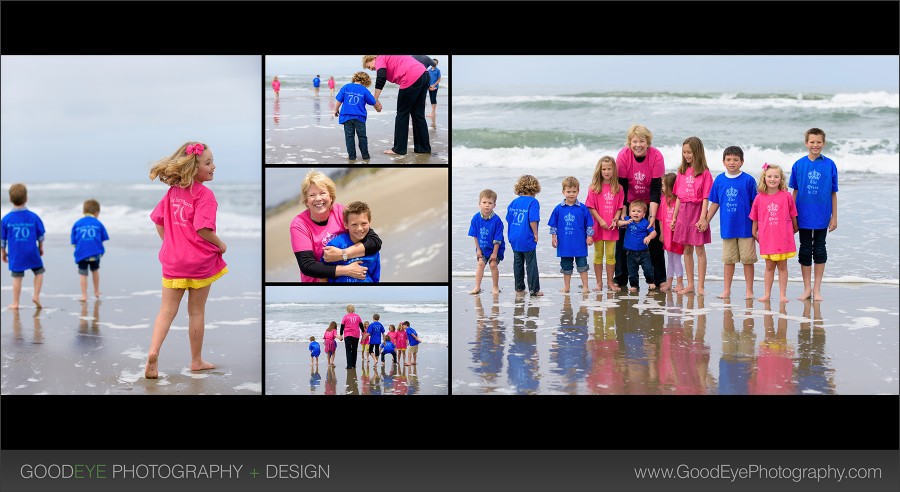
<point x="526" y="262"/>
<point x="360" y="128"/>
<point x="642" y="259"/>
<point x="565" y="264"/>
<point x="812" y="246"/>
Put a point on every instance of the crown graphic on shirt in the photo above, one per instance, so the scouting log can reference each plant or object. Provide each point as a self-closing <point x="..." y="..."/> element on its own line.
<point x="639" y="176"/>
<point x="731" y="192"/>
<point x="569" y="217"/>
<point x="814" y="174"/>
<point x="609" y="196"/>
<point x="484" y="231"/>
<point x="773" y="207"/>
<point x="689" y="179"/>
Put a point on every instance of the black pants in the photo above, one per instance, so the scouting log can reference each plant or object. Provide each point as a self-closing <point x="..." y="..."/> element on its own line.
<point x="657" y="258"/>
<point x="393" y="356"/>
<point x="411" y="102"/>
<point x="351" y="344"/>
<point x="812" y="246"/>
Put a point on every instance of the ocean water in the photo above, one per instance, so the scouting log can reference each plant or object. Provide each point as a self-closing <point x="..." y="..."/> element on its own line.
<point x="497" y="136"/>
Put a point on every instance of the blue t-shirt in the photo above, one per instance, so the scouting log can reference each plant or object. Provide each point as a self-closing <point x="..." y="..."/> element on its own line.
<point x="353" y="98"/>
<point x="435" y="74"/>
<point x="488" y="231"/>
<point x="88" y="235"/>
<point x="409" y="336"/>
<point x="314" y="349"/>
<point x="814" y="182"/>
<point x="20" y="232"/>
<point x="572" y="224"/>
<point x="519" y="215"/>
<point x="376" y="329"/>
<point x="388" y="347"/>
<point x="316" y="82"/>
<point x="735" y="197"/>
<point x="734" y="377"/>
<point x="635" y="234"/>
<point x="372" y="262"/>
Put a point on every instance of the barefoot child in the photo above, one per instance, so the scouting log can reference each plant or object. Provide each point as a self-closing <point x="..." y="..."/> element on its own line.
<point x="23" y="235"/>
<point x="734" y="191"/>
<point x="191" y="252"/>
<point x="314" y="351"/>
<point x="87" y="236"/>
<point x="414" y="342"/>
<point x="523" y="216"/>
<point x="674" y="269"/>
<point x="774" y="218"/>
<point x="400" y="342"/>
<point x="691" y="227"/>
<point x="605" y="200"/>
<point x="572" y="230"/>
<point x="375" y="331"/>
<point x="330" y="342"/>
<point x="276" y="86"/>
<point x="638" y="235"/>
<point x="487" y="230"/>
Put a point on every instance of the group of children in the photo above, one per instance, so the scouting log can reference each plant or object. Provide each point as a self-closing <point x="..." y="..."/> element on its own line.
<point x="375" y="342"/>
<point x="22" y="243"/>
<point x="752" y="212"/>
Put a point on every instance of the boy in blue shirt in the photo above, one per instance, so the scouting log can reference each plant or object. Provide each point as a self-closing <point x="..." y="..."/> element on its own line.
<point x="523" y="216"/>
<point x="22" y="232"/>
<point x="487" y="230"/>
<point x="357" y="219"/>
<point x="433" y="85"/>
<point x="375" y="331"/>
<point x="414" y="342"/>
<point x="87" y="236"/>
<point x="734" y="191"/>
<point x="814" y="179"/>
<point x="387" y="348"/>
<point x="351" y="110"/>
<point x="316" y="82"/>
<point x="314" y="351"/>
<point x="571" y="229"/>
<point x="637" y="237"/>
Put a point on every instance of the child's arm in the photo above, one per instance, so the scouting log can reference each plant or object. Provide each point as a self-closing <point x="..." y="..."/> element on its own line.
<point x="41" y="243"/>
<point x="553" y="241"/>
<point x="616" y="217"/>
<point x="796" y="226"/>
<point x="337" y="109"/>
<point x="833" y="224"/>
<point x="713" y="208"/>
<point x="478" y="251"/>
<point x="495" y="252"/>
<point x="599" y="220"/>
<point x="675" y="212"/>
<point x="161" y="231"/>
<point x="3" y="255"/>
<point x="534" y="226"/>
<point x="210" y="236"/>
<point x="755" y="230"/>
<point x="702" y="224"/>
<point x="623" y="222"/>
<point x="650" y="236"/>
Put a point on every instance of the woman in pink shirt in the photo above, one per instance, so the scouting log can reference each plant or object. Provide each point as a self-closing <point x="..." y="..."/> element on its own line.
<point x="191" y="252"/>
<point x="413" y="79"/>
<point x="774" y="217"/>
<point x="321" y="222"/>
<point x="351" y="328"/>
<point x="689" y="223"/>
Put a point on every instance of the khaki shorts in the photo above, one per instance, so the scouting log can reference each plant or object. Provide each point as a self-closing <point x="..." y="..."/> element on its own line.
<point x="413" y="349"/>
<point x="739" y="250"/>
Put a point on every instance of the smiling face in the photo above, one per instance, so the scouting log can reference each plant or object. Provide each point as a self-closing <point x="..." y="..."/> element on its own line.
<point x="733" y="163"/>
<point x="773" y="179"/>
<point x="358" y="226"/>
<point x="318" y="201"/>
<point x="638" y="145"/>
<point x="814" y="144"/>
<point x="205" y="166"/>
<point x="687" y="154"/>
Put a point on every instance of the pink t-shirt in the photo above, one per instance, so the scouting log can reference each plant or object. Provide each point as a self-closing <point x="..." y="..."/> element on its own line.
<point x="400" y="339"/>
<point x="690" y="188"/>
<point x="182" y="212"/>
<point x="773" y="213"/>
<point x="329" y="334"/>
<point x="605" y="203"/>
<point x="403" y="70"/>
<point x="351" y="324"/>
<point x="306" y="235"/>
<point x="665" y="213"/>
<point x="639" y="174"/>
<point x="276" y="85"/>
<point x="331" y="83"/>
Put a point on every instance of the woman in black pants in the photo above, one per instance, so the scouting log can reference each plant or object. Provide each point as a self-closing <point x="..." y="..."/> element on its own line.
<point x="413" y="79"/>
<point x="351" y="328"/>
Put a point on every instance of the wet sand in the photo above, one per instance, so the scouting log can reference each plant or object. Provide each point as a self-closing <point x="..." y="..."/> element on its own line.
<point x="303" y="130"/>
<point x="288" y="371"/>
<point x="668" y="344"/>
<point x="409" y="211"/>
<point x="100" y="346"/>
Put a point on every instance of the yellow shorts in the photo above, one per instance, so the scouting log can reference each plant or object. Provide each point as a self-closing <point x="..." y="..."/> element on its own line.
<point x="780" y="256"/>
<point x="192" y="283"/>
<point x="610" y="252"/>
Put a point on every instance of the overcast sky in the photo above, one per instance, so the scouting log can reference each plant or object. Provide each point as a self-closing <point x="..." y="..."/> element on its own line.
<point x="327" y="66"/>
<point x="107" y="118"/>
<point x="827" y="74"/>
<point x="384" y="293"/>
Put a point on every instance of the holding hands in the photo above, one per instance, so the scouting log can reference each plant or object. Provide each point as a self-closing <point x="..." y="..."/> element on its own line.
<point x="378" y="106"/>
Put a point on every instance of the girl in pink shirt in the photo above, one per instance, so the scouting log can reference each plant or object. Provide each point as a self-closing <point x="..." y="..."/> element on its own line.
<point x="330" y="343"/>
<point x="276" y="86"/>
<point x="673" y="250"/>
<point x="689" y="221"/>
<point x="774" y="217"/>
<point x="605" y="199"/>
<point x="400" y="343"/>
<point x="331" y="85"/>
<point x="191" y="252"/>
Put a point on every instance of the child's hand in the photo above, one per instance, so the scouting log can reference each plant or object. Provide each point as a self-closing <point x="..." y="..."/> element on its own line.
<point x="672" y="224"/>
<point x="493" y="259"/>
<point x="832" y="225"/>
<point x="481" y="260"/>
<point x="555" y="244"/>
<point x="5" y="260"/>
<point x="337" y="113"/>
<point x="603" y="224"/>
<point x="222" y="247"/>
<point x="378" y="106"/>
<point x="590" y="240"/>
<point x="701" y="225"/>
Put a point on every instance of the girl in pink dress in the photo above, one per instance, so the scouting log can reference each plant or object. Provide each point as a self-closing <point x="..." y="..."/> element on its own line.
<point x="689" y="221"/>
<point x="276" y="86"/>
<point x="605" y="199"/>
<point x="191" y="252"/>
<point x="330" y="343"/>
<point x="400" y="342"/>
<point x="331" y="85"/>
<point x="774" y="217"/>
<point x="673" y="250"/>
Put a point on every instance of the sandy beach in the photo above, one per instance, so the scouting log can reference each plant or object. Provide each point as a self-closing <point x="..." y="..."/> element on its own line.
<point x="100" y="347"/>
<point x="603" y="343"/>
<point x="409" y="211"/>
<point x="302" y="129"/>
<point x="288" y="371"/>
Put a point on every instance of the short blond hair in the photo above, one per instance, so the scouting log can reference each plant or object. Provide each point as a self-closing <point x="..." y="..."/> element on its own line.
<point x="488" y="193"/>
<point x="350" y="308"/>
<point x="639" y="131"/>
<point x="91" y="207"/>
<point x="321" y="181"/>
<point x="367" y="59"/>
<point x="571" y="182"/>
<point x="18" y="194"/>
<point x="362" y="78"/>
<point x="639" y="204"/>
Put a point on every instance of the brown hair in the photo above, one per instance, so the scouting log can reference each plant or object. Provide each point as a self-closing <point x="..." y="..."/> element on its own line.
<point x="18" y="194"/>
<point x="669" y="190"/>
<point x="813" y="131"/>
<point x="91" y="207"/>
<point x="362" y="78"/>
<point x="358" y="208"/>
<point x="597" y="181"/>
<point x="487" y="193"/>
<point x="527" y="185"/>
<point x="699" y="164"/>
<point x="570" y="182"/>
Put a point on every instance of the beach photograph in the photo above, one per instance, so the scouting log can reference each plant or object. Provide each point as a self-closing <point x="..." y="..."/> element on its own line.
<point x="314" y="344"/>
<point x="407" y="210"/>
<point x="80" y="129"/>
<point x="559" y="123"/>
<point x="309" y="98"/>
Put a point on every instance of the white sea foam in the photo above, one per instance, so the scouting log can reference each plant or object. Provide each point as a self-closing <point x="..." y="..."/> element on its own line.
<point x="252" y="387"/>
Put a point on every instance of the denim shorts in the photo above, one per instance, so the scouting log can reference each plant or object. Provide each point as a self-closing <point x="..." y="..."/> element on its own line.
<point x="37" y="271"/>
<point x="92" y="263"/>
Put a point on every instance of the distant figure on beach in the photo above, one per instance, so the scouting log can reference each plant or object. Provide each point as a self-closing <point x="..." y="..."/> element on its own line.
<point x="87" y="237"/>
<point x="414" y="341"/>
<point x="376" y="332"/>
<point x="641" y="168"/>
<point x="191" y="252"/>
<point x="364" y="339"/>
<point x="330" y="343"/>
<point x="638" y="234"/>
<point x="814" y="179"/>
<point x="351" y="328"/>
<point x="434" y="84"/>
<point x="734" y="191"/>
<point x="774" y="218"/>
<point x="666" y="210"/>
<point x="523" y="216"/>
<point x="276" y="86"/>
<point x="411" y="76"/>
<point x="314" y="351"/>
<point x="351" y="108"/>
<point x="487" y="230"/>
<point x="316" y="82"/>
<point x="692" y="185"/>
<point x="605" y="198"/>
<point x="22" y="234"/>
<point x="572" y="231"/>
<point x="312" y="229"/>
<point x="331" y="86"/>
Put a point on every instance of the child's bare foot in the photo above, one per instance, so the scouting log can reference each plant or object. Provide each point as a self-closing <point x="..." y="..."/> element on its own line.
<point x="151" y="369"/>
<point x="665" y="286"/>
<point x="37" y="302"/>
<point x="475" y="291"/>
<point x="613" y="287"/>
<point x="564" y="291"/>
<point x="13" y="306"/>
<point x="390" y="152"/>
<point x="97" y="294"/>
<point x="538" y="294"/>
<point x="749" y="295"/>
<point x="495" y="291"/>
<point x="83" y="299"/>
<point x="817" y="296"/>
<point x="764" y="298"/>
<point x="724" y="295"/>
<point x="632" y="289"/>
<point x="651" y="286"/>
<point x="687" y="290"/>
<point x="700" y="291"/>
<point x="784" y="299"/>
<point x="202" y="366"/>
<point x="807" y="293"/>
<point x="679" y="286"/>
<point x="598" y="288"/>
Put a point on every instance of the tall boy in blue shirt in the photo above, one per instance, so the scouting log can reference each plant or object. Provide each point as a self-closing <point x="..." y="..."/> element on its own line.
<point x="571" y="230"/>
<point x="22" y="232"/>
